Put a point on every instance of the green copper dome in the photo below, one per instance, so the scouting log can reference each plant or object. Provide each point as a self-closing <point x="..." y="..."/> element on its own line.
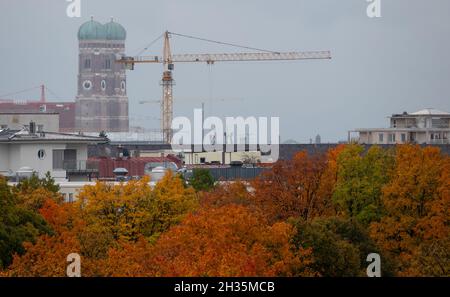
<point x="91" y="30"/>
<point x="115" y="31"/>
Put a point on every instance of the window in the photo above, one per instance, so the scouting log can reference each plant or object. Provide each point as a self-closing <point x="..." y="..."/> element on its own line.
<point x="439" y="123"/>
<point x="87" y="63"/>
<point x="41" y="154"/>
<point x="108" y="64"/>
<point x="4" y="127"/>
<point x="103" y="85"/>
<point x="58" y="159"/>
<point x="391" y="137"/>
<point x="70" y="197"/>
<point x="40" y="128"/>
<point x="122" y="86"/>
<point x="403" y="137"/>
<point x="380" y="137"/>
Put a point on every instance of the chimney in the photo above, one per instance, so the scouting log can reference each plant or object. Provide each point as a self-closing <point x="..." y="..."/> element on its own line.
<point x="32" y="127"/>
<point x="42" y="94"/>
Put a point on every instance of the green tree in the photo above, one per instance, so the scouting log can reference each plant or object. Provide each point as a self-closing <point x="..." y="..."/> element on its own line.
<point x="360" y="180"/>
<point x="358" y="235"/>
<point x="333" y="256"/>
<point x="201" y="179"/>
<point x="34" y="191"/>
<point x="17" y="224"/>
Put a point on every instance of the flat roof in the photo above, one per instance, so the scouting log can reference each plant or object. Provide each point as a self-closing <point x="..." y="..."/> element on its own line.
<point x="29" y="112"/>
<point x="15" y="136"/>
<point x="400" y="129"/>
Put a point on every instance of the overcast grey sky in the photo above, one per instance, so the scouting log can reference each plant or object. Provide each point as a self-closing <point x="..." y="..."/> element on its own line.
<point x="399" y="62"/>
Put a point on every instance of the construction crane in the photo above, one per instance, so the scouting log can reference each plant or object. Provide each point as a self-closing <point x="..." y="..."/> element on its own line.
<point x="168" y="61"/>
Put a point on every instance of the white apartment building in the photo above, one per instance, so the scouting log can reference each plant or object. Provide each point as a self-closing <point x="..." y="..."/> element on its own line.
<point x="61" y="154"/>
<point x="427" y="126"/>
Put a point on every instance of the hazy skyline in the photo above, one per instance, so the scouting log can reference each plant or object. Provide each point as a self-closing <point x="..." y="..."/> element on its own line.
<point x="380" y="66"/>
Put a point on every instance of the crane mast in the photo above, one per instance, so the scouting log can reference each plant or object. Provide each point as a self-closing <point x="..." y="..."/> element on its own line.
<point x="167" y="84"/>
<point x="168" y="61"/>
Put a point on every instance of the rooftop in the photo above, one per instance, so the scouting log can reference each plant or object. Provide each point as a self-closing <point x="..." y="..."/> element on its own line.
<point x="27" y="112"/>
<point x="430" y="111"/>
<point x="24" y="135"/>
<point x="423" y="112"/>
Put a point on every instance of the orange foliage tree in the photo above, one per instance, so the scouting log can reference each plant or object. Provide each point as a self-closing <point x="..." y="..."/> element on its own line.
<point x="224" y="241"/>
<point x="300" y="187"/>
<point x="105" y="216"/>
<point x="415" y="229"/>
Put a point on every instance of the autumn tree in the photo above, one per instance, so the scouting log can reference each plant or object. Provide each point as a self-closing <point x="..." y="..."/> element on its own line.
<point x="105" y="217"/>
<point x="228" y="241"/>
<point x="294" y="188"/>
<point x="18" y="224"/>
<point x="340" y="246"/>
<point x="228" y="193"/>
<point x="333" y="255"/>
<point x="34" y="191"/>
<point x="360" y="179"/>
<point x="415" y="229"/>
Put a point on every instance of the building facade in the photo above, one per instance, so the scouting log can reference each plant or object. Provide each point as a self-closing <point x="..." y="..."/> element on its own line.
<point x="63" y="155"/>
<point x="428" y="126"/>
<point x="45" y="121"/>
<point x="65" y="111"/>
<point x="102" y="102"/>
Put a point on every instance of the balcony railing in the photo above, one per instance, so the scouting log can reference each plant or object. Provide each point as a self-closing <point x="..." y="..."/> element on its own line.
<point x="81" y="165"/>
<point x="439" y="141"/>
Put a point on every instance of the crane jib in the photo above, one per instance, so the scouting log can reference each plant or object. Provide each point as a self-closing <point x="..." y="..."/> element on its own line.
<point x="230" y="57"/>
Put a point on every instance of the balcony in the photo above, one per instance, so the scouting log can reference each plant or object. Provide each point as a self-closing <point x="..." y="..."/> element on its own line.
<point x="81" y="170"/>
<point x="81" y="165"/>
<point x="439" y="141"/>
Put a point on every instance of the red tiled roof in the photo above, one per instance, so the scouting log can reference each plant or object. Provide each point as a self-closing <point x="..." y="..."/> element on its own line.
<point x="135" y="165"/>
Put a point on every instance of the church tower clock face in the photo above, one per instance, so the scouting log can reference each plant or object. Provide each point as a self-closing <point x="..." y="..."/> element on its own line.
<point x="87" y="85"/>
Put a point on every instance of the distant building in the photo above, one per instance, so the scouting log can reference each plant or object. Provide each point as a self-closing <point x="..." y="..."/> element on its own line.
<point x="64" y="110"/>
<point x="65" y="156"/>
<point x="102" y="102"/>
<point x="318" y="139"/>
<point x="220" y="157"/>
<point x="428" y="126"/>
<point x="44" y="121"/>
